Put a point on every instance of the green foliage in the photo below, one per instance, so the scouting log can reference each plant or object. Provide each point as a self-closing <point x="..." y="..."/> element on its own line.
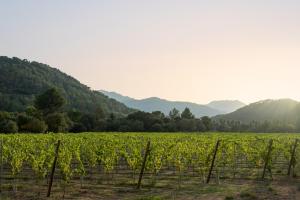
<point x="57" y="122"/>
<point x="254" y="126"/>
<point x="156" y="127"/>
<point x="33" y="112"/>
<point x="284" y="110"/>
<point x="31" y="124"/>
<point x="7" y="123"/>
<point x="186" y="114"/>
<point x="187" y="125"/>
<point x="174" y="114"/>
<point x="5" y="116"/>
<point x="8" y="126"/>
<point x="207" y="123"/>
<point x="182" y="151"/>
<point x="27" y="92"/>
<point x="248" y="195"/>
<point x="50" y="101"/>
<point x="150" y="198"/>
<point x="21" y="81"/>
<point x="35" y="126"/>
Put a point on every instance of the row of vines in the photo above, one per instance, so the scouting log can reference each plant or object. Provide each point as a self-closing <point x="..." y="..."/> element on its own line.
<point x="181" y="152"/>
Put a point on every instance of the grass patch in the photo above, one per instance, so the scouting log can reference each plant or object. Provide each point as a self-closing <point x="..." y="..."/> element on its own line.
<point x="150" y="198"/>
<point x="229" y="198"/>
<point x="248" y="195"/>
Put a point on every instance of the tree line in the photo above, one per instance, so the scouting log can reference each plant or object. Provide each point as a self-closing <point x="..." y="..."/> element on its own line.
<point x="48" y="114"/>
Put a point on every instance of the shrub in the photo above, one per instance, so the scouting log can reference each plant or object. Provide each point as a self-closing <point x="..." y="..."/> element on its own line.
<point x="8" y="126"/>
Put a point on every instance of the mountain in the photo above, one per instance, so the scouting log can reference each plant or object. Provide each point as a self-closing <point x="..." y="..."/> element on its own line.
<point x="21" y="81"/>
<point x="154" y="104"/>
<point x="284" y="110"/>
<point x="226" y="106"/>
<point x="117" y="96"/>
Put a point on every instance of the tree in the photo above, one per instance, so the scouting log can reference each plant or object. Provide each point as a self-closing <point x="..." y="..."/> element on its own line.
<point x="89" y="122"/>
<point x="50" y="101"/>
<point x="57" y="122"/>
<point x="7" y="123"/>
<point x="4" y="116"/>
<point x="35" y="126"/>
<point x="99" y="113"/>
<point x="77" y="128"/>
<point x="158" y="114"/>
<point x="187" y="125"/>
<point x="33" y="112"/>
<point x="137" y="126"/>
<point x="156" y="127"/>
<point x="199" y="125"/>
<point x="75" y="116"/>
<point x="171" y="126"/>
<point x="124" y="128"/>
<point x="187" y="114"/>
<point x="223" y="126"/>
<point x="8" y="126"/>
<point x="30" y="124"/>
<point x="174" y="114"/>
<point x="207" y="123"/>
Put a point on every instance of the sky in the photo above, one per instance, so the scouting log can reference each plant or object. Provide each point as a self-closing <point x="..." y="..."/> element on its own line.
<point x="190" y="50"/>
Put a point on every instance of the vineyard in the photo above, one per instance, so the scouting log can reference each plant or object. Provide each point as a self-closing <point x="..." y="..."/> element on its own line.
<point x="141" y="160"/>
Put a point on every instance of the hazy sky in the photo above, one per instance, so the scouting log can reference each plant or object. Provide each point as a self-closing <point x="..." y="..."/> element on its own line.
<point x="180" y="50"/>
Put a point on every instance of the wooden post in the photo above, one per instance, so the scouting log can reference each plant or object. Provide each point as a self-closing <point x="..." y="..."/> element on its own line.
<point x="53" y="169"/>
<point x="213" y="161"/>
<point x="143" y="165"/>
<point x="267" y="158"/>
<point x="234" y="160"/>
<point x="292" y="157"/>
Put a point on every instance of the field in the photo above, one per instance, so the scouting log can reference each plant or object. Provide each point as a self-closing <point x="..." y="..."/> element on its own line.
<point x="176" y="166"/>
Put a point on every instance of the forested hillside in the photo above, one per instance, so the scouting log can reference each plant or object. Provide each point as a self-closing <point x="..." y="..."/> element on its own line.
<point x="38" y="98"/>
<point x="265" y="116"/>
<point x="21" y="81"/>
<point x="281" y="110"/>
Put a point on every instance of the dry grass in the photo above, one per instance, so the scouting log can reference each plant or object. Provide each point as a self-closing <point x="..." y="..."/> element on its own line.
<point x="189" y="189"/>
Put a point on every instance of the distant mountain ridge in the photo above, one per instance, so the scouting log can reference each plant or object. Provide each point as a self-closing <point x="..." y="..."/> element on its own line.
<point x="284" y="110"/>
<point x="226" y="106"/>
<point x="154" y="104"/>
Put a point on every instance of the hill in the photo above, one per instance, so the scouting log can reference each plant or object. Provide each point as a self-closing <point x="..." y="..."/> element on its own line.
<point x="284" y="110"/>
<point x="226" y="106"/>
<point x="155" y="104"/>
<point x="21" y="81"/>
